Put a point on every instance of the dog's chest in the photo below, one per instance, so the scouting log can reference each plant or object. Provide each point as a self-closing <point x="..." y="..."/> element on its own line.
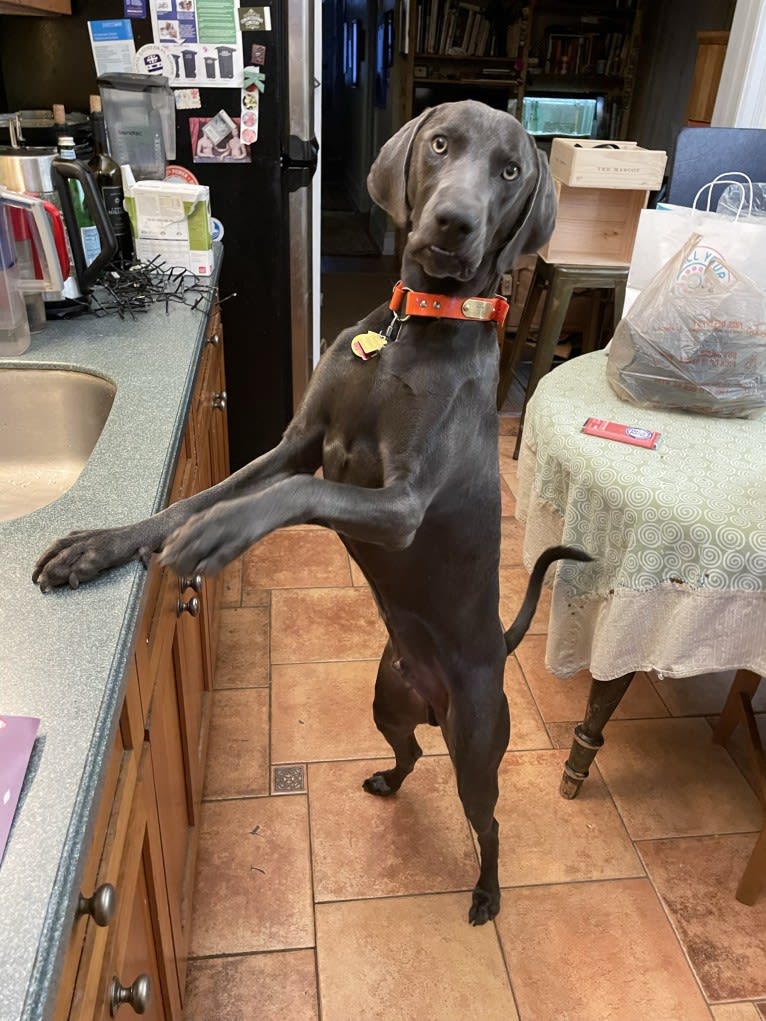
<point x="352" y="458"/>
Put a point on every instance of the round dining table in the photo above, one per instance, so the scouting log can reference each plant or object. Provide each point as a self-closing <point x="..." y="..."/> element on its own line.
<point x="677" y="534"/>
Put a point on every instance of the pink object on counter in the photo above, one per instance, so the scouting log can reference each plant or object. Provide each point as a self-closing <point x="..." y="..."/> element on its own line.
<point x="17" y="736"/>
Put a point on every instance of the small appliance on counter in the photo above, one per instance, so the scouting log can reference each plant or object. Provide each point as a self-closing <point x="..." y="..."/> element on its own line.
<point x="40" y="172"/>
<point x="140" y="115"/>
<point x="37" y="234"/>
<point x="14" y="326"/>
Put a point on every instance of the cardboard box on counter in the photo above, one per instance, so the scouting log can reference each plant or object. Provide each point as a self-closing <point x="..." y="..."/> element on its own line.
<point x="170" y="220"/>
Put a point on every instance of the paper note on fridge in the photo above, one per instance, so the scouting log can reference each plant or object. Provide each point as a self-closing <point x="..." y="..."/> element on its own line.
<point x="170" y="221"/>
<point x="17" y="736"/>
<point x="112" y="45"/>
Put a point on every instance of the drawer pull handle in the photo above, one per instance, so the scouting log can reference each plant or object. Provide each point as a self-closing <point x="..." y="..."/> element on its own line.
<point x="214" y="339"/>
<point x="191" y="606"/>
<point x="101" y="905"/>
<point x="194" y="582"/>
<point x="219" y="401"/>
<point x="137" y="995"/>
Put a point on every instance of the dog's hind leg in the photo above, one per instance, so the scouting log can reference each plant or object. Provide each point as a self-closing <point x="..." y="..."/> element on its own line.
<point x="397" y="710"/>
<point x="476" y="754"/>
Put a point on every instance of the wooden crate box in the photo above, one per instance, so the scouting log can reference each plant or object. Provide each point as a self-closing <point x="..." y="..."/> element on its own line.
<point x="597" y="163"/>
<point x="595" y="226"/>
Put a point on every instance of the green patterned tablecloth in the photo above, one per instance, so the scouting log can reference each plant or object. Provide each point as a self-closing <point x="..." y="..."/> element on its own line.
<point x="679" y="533"/>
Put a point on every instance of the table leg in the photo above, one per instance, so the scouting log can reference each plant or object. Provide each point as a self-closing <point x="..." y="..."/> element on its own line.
<point x="512" y="352"/>
<point x="603" y="700"/>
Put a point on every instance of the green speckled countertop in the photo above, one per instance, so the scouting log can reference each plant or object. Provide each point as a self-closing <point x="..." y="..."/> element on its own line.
<point x="63" y="655"/>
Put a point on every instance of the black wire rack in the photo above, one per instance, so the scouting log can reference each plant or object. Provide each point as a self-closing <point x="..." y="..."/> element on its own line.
<point x="128" y="290"/>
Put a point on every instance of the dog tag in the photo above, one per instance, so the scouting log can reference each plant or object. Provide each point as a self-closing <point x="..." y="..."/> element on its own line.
<point x="366" y="345"/>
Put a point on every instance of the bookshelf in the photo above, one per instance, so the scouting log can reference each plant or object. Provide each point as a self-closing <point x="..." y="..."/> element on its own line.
<point x="502" y="52"/>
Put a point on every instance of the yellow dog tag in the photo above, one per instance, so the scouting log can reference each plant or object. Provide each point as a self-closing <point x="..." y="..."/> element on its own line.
<point x="365" y="345"/>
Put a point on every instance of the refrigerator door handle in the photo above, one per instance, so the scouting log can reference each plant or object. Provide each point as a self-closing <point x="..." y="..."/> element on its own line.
<point x="300" y="161"/>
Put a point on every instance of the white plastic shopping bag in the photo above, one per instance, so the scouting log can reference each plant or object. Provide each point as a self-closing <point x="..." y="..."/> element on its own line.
<point x="739" y="241"/>
<point x="694" y="339"/>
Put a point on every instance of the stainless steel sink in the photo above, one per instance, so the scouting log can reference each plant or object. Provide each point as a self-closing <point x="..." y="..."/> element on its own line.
<point x="50" y="420"/>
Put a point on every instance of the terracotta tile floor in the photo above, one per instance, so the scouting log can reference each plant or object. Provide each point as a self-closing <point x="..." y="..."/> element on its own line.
<point x="328" y="904"/>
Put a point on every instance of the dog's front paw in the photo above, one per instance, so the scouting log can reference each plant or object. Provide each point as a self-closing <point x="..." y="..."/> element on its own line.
<point x="205" y="544"/>
<point x="81" y="556"/>
<point x="484" y="906"/>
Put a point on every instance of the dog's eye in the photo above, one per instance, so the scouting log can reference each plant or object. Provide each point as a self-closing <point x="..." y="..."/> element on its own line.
<point x="511" y="172"/>
<point x="439" y="145"/>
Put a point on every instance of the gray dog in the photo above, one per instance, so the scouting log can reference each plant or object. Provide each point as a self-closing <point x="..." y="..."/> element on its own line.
<point x="400" y="415"/>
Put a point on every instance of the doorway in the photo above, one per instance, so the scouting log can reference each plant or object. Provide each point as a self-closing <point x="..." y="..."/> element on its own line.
<point x="356" y="273"/>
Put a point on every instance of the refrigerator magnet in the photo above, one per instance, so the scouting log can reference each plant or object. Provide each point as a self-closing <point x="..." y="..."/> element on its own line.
<point x="154" y="59"/>
<point x="218" y="139"/>
<point x="187" y="99"/>
<point x="255" y="19"/>
<point x="258" y="54"/>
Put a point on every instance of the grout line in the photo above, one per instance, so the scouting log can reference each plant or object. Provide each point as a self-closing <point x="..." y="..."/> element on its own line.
<point x="234" y="954"/>
<point x="398" y="896"/>
<point x="676" y="933"/>
<point x="506" y="965"/>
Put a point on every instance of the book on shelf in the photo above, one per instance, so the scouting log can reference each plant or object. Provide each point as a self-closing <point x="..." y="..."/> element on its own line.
<point x="454" y="28"/>
<point x="585" y="53"/>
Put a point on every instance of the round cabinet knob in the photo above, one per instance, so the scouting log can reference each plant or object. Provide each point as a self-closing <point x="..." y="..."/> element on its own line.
<point x="219" y="401"/>
<point x="214" y="339"/>
<point x="136" y="996"/>
<point x="194" y="582"/>
<point x="191" y="606"/>
<point x="101" y="905"/>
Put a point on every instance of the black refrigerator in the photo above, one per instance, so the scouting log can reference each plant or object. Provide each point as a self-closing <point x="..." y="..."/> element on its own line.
<point x="266" y="206"/>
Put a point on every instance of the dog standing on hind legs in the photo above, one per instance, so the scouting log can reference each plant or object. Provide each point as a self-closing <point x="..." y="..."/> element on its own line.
<point x="400" y="415"/>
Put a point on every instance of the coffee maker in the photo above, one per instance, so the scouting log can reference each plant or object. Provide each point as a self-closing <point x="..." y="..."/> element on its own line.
<point x="38" y="171"/>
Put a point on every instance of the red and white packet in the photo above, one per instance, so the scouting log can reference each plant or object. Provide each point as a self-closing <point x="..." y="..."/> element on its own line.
<point x="632" y="434"/>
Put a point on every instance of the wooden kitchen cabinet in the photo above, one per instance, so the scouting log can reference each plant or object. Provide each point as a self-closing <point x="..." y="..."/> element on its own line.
<point x="35" y="7"/>
<point x="145" y="836"/>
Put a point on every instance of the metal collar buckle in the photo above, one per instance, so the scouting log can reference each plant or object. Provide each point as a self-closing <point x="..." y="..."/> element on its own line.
<point x="402" y="292"/>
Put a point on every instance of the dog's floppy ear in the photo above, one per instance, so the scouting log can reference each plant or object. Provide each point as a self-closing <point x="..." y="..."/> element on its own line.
<point x="537" y="221"/>
<point x="387" y="179"/>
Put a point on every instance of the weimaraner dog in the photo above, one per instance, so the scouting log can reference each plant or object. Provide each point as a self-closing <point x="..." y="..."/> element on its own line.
<point x="400" y="415"/>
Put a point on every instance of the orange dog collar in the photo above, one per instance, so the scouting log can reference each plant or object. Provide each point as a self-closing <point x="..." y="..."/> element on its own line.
<point x="405" y="303"/>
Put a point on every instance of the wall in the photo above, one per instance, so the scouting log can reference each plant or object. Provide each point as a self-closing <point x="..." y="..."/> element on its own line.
<point x="741" y="100"/>
<point x="666" y="66"/>
<point x="49" y="59"/>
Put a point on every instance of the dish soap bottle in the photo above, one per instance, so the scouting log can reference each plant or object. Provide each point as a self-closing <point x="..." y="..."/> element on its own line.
<point x="109" y="181"/>
<point x="91" y="243"/>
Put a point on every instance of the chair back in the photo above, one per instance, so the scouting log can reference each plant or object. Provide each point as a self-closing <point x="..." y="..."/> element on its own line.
<point x="702" y="153"/>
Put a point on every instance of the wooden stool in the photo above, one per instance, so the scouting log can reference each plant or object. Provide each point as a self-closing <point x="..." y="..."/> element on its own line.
<point x="739" y="709"/>
<point x="560" y="281"/>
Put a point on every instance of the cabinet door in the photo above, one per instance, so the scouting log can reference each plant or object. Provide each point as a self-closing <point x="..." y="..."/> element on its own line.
<point x="99" y="887"/>
<point x="135" y="978"/>
<point x="212" y="466"/>
<point x="219" y="432"/>
<point x="189" y="664"/>
<point x="175" y="801"/>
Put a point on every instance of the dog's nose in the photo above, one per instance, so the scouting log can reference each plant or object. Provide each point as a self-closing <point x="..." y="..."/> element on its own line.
<point x="455" y="225"/>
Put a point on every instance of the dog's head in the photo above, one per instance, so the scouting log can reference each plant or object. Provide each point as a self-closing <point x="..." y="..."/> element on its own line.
<point x="470" y="186"/>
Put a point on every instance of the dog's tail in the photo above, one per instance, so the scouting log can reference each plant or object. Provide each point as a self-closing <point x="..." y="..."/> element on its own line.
<point x="518" y="629"/>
